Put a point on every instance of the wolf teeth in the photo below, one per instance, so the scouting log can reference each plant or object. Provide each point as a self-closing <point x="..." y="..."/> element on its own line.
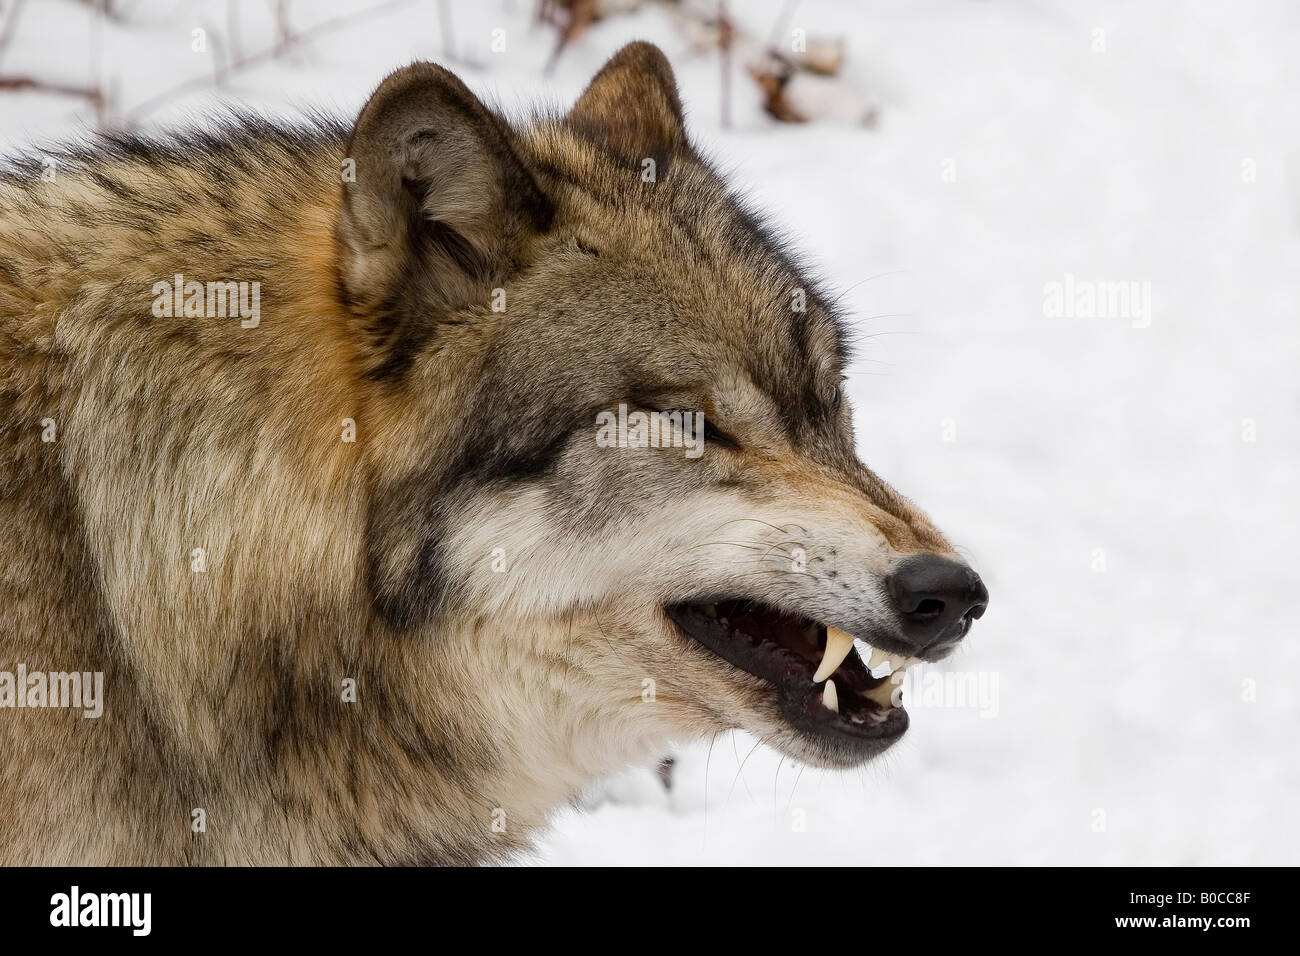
<point x="831" y="697"/>
<point x="883" y="694"/>
<point x="879" y="659"/>
<point x="838" y="645"/>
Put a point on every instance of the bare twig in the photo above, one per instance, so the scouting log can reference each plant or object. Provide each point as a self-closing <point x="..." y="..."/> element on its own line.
<point x="220" y="54"/>
<point x="572" y="17"/>
<point x="234" y="49"/>
<point x="444" y="27"/>
<point x="96" y="61"/>
<point x="93" y="95"/>
<point x="9" y="23"/>
<point x="283" y="32"/>
<point x="798" y="82"/>
<point x="105" y="8"/>
<point x="725" y="37"/>
<point x="253" y="59"/>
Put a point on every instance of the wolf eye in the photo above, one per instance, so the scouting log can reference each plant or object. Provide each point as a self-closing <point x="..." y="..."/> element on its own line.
<point x="713" y="434"/>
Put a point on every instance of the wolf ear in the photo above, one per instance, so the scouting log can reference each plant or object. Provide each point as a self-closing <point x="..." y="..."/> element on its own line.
<point x="632" y="106"/>
<point x="439" y="203"/>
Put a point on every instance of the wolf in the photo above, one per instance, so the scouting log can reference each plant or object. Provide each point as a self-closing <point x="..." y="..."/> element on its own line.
<point x="362" y="585"/>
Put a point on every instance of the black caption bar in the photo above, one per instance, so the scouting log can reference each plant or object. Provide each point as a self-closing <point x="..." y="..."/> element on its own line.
<point x="932" y="906"/>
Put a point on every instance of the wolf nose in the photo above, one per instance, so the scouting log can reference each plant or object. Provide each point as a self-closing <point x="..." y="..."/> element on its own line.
<point x="937" y="599"/>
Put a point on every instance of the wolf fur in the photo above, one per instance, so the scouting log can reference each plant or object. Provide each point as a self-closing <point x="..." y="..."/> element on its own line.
<point x="183" y="510"/>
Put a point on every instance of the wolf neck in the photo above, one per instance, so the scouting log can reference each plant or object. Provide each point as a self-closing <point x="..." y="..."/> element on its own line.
<point x="458" y="746"/>
<point x="521" y="713"/>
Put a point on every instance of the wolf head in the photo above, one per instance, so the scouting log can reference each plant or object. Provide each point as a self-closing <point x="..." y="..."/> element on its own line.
<point x="612" y="439"/>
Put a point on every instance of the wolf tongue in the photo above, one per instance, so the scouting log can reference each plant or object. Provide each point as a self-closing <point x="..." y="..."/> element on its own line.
<point x="838" y="645"/>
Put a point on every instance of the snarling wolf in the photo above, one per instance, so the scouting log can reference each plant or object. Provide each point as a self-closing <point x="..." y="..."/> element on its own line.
<point x="361" y="581"/>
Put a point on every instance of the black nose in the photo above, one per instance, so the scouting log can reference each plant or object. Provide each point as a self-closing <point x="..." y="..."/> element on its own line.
<point x="936" y="599"/>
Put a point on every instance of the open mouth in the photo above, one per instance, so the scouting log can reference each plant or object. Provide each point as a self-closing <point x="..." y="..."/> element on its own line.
<point x="824" y="686"/>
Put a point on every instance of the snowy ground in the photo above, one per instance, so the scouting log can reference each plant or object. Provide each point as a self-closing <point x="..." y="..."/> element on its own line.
<point x="1125" y="484"/>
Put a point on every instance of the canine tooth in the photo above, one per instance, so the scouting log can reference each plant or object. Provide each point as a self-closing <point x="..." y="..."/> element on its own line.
<point x="831" y="697"/>
<point x="883" y="695"/>
<point x="838" y="645"/>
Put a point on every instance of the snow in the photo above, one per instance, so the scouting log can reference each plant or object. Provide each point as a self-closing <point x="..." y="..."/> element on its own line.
<point x="1098" y="471"/>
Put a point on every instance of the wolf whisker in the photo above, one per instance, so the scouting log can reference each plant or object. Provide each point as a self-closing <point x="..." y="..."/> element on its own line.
<point x="782" y="528"/>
